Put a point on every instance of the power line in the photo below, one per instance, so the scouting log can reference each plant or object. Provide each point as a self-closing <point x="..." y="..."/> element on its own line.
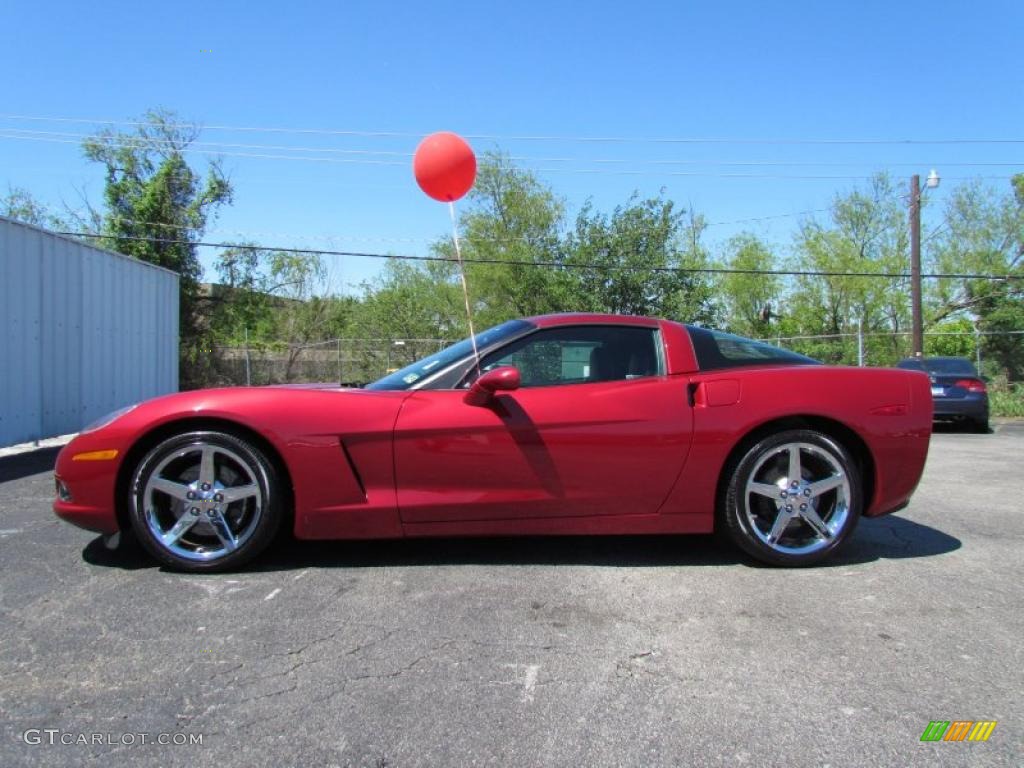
<point x="550" y="264"/>
<point x="533" y="137"/>
<point x="769" y="218"/>
<point x="420" y="240"/>
<point x="142" y="143"/>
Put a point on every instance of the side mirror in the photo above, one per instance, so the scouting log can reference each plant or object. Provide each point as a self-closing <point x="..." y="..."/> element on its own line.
<point x="503" y="379"/>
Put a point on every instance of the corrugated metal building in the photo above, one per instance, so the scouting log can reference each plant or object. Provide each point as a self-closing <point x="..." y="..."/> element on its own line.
<point x="85" y="331"/>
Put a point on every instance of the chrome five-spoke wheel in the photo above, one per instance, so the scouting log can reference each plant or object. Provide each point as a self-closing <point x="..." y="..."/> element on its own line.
<point x="204" y="501"/>
<point x="794" y="497"/>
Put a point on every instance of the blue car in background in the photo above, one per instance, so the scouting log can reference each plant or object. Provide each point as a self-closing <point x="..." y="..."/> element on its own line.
<point x="958" y="392"/>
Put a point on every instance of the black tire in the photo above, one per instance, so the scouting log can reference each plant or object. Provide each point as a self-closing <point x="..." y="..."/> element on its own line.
<point x="979" y="426"/>
<point x="778" y="509"/>
<point x="194" y="524"/>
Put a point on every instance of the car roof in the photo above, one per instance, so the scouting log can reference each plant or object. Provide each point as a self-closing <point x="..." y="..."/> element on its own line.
<point x="591" y="318"/>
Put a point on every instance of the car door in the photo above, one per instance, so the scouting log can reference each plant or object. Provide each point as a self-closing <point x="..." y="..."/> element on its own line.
<point x="596" y="428"/>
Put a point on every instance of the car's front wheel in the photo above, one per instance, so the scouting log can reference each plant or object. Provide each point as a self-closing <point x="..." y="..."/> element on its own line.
<point x="205" y="501"/>
<point x="792" y="498"/>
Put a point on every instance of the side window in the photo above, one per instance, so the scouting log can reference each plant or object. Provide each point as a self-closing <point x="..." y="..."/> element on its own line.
<point x="580" y="355"/>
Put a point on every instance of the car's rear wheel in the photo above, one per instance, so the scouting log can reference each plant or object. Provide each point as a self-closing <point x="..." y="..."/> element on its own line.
<point x="980" y="426"/>
<point x="793" y="498"/>
<point x="205" y="501"/>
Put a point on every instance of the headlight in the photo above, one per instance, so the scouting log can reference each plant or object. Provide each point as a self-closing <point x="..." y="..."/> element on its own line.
<point x="108" y="419"/>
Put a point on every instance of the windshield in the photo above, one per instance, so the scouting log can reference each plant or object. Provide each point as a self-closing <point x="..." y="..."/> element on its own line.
<point x="405" y="378"/>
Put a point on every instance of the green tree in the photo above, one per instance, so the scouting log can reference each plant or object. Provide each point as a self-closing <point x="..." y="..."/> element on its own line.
<point x="953" y="337"/>
<point x="865" y="234"/>
<point x="637" y="261"/>
<point x="410" y="301"/>
<point x="277" y="301"/>
<point x="512" y="222"/>
<point x="157" y="206"/>
<point x="411" y="304"/>
<point x="240" y="307"/>
<point x="983" y="233"/>
<point x="303" y="312"/>
<point x="19" y="204"/>
<point x="521" y="261"/>
<point x="746" y="294"/>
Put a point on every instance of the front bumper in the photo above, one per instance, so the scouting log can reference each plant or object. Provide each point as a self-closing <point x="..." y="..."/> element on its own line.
<point x="85" y="489"/>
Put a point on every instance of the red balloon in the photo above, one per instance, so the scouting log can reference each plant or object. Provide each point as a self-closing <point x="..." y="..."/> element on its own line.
<point x="444" y="166"/>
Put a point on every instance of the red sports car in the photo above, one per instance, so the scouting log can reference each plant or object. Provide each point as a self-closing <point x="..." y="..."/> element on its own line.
<point x="569" y="424"/>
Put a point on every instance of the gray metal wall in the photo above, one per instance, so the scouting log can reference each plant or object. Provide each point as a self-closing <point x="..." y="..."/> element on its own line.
<point x="84" y="331"/>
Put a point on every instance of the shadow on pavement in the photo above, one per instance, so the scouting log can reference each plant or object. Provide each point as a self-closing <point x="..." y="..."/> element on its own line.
<point x="288" y="553"/>
<point x="889" y="537"/>
<point x="956" y="428"/>
<point x="129" y="556"/>
<point x="626" y="551"/>
<point x="895" y="538"/>
<point x="30" y="463"/>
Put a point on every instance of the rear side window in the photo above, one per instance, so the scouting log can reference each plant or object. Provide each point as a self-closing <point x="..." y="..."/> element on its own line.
<point x="716" y="349"/>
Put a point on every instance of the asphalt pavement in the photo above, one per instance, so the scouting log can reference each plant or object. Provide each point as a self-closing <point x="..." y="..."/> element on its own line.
<point x="622" y="651"/>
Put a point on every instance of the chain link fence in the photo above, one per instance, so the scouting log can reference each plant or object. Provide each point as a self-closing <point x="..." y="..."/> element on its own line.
<point x="350" y="362"/>
<point x="886" y="348"/>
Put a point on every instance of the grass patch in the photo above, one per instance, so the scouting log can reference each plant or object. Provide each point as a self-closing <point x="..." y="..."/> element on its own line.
<point x="1006" y="400"/>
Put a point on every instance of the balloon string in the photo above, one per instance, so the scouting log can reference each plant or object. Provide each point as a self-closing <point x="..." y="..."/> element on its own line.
<point x="465" y="287"/>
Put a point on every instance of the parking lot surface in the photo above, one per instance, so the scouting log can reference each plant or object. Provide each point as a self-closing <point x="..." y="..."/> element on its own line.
<point x="525" y="652"/>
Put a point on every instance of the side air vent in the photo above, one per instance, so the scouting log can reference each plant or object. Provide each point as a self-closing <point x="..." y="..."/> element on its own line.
<point x="352" y="466"/>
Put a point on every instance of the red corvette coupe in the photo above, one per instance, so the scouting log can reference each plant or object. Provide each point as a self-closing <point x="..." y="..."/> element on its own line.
<point x="572" y="424"/>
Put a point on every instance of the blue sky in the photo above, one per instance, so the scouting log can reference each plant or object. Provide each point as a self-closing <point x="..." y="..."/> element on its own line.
<point x="735" y="72"/>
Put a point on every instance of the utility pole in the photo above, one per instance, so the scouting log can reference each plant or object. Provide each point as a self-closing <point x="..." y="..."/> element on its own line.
<point x="915" y="265"/>
<point x="915" y="257"/>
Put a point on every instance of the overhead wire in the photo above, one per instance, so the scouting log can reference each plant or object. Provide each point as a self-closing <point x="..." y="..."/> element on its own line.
<point x="534" y="137"/>
<point x="545" y="263"/>
<point x="141" y="143"/>
<point x="145" y="141"/>
<point x="72" y="138"/>
<point x="408" y="240"/>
